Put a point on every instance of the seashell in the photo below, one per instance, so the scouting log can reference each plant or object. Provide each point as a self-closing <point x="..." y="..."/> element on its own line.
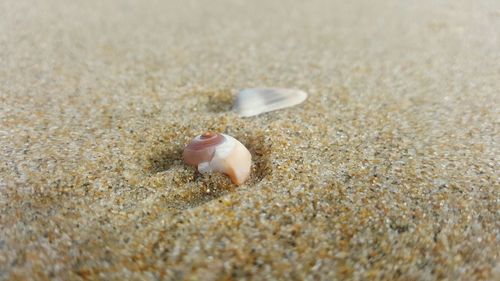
<point x="213" y="152"/>
<point x="254" y="101"/>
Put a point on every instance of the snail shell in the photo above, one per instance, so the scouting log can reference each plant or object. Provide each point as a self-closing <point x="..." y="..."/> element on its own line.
<point x="213" y="152"/>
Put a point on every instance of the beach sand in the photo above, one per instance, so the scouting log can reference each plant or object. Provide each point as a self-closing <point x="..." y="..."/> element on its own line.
<point x="389" y="170"/>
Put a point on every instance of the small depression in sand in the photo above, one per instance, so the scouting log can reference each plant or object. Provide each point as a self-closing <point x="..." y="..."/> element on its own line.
<point x="219" y="101"/>
<point x="184" y="187"/>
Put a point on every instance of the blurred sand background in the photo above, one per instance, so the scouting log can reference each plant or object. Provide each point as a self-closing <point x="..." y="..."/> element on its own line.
<point x="390" y="170"/>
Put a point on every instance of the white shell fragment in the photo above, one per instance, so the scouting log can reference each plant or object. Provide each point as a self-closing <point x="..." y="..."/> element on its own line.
<point x="254" y="101"/>
<point x="212" y="152"/>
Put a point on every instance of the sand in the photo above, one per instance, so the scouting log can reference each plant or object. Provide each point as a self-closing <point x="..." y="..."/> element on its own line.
<point x="389" y="170"/>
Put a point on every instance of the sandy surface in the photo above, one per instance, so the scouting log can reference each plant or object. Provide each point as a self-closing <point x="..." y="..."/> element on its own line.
<point x="390" y="170"/>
